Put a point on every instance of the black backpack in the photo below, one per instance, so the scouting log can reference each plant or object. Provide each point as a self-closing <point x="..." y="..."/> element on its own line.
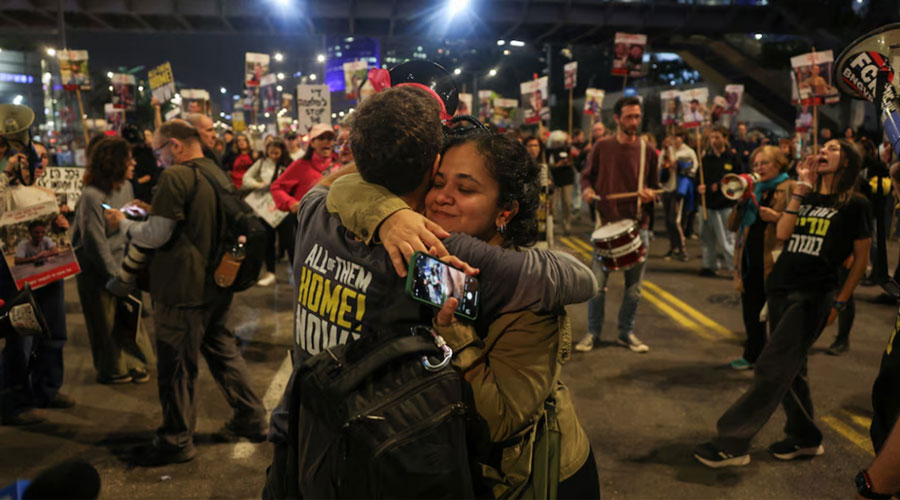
<point x="235" y="218"/>
<point x="381" y="417"/>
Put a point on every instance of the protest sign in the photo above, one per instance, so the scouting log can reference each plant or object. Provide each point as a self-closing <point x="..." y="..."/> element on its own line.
<point x="238" y="122"/>
<point x="287" y="101"/>
<point x="115" y="117"/>
<point x="354" y="74"/>
<point x="813" y="78"/>
<point x="124" y="91"/>
<point x="313" y="106"/>
<point x="268" y="95"/>
<point x="734" y="97"/>
<point x="504" y="113"/>
<point x="73" y="69"/>
<point x="670" y="103"/>
<point x="485" y="104"/>
<point x="571" y="75"/>
<point x="263" y="204"/>
<point x="255" y="67"/>
<point x="628" y="59"/>
<point x="593" y="101"/>
<point x="195" y="101"/>
<point x="36" y="250"/>
<point x="65" y="182"/>
<point x="717" y="115"/>
<point x="465" y="104"/>
<point x="162" y="82"/>
<point x="535" y="106"/>
<point x="694" y="105"/>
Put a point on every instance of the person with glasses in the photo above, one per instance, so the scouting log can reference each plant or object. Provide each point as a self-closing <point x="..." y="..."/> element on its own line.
<point x="342" y="144"/>
<point x="824" y="223"/>
<point x="754" y="219"/>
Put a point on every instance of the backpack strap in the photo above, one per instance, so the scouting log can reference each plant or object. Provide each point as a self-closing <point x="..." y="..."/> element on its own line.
<point x="380" y="356"/>
<point x="219" y="225"/>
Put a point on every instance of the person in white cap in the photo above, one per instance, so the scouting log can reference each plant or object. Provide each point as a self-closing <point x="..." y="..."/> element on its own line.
<point x="304" y="173"/>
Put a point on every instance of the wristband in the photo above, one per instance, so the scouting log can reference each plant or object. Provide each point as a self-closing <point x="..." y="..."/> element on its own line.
<point x="798" y="196"/>
<point x="839" y="305"/>
<point x="864" y="487"/>
<point x="791" y="212"/>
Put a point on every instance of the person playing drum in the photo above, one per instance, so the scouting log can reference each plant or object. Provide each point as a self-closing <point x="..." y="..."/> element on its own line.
<point x="622" y="163"/>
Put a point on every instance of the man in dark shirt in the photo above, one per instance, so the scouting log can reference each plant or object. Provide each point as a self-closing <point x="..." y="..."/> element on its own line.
<point x="615" y="166"/>
<point x="741" y="146"/>
<point x="714" y="233"/>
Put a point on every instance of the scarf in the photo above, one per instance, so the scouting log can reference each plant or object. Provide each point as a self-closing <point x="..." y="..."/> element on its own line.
<point x="751" y="210"/>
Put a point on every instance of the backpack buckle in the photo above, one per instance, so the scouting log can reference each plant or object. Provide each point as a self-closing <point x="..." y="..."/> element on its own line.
<point x="440" y="343"/>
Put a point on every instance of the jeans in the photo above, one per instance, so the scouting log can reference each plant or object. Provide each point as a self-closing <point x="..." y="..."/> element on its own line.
<point x="628" y="309"/>
<point x="714" y="232"/>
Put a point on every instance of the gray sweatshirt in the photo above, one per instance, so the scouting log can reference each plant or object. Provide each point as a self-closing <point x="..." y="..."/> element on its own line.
<point x="99" y="249"/>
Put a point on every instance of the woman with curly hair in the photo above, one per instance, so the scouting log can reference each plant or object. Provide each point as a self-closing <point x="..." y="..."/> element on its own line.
<point x="118" y="358"/>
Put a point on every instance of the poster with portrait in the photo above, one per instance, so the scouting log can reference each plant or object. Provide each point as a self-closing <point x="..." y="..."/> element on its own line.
<point x="593" y="101"/>
<point x="734" y="97"/>
<point x="238" y="123"/>
<point x="465" y="104"/>
<point x="695" y="107"/>
<point x="73" y="69"/>
<point x="505" y="113"/>
<point x="313" y="106"/>
<point x="804" y="120"/>
<point x="670" y="103"/>
<point x="256" y="66"/>
<point x="35" y="245"/>
<point x="115" y="117"/>
<point x="195" y="101"/>
<point x="354" y="75"/>
<point x="717" y="115"/>
<point x="570" y="73"/>
<point x="268" y="94"/>
<point x="124" y="94"/>
<point x="628" y="58"/>
<point x="535" y="100"/>
<point x="485" y="105"/>
<point x="65" y="182"/>
<point x="162" y="82"/>
<point x="287" y="102"/>
<point x="813" y="78"/>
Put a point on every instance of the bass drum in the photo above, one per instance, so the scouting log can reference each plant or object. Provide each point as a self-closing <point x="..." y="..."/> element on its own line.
<point x="619" y="245"/>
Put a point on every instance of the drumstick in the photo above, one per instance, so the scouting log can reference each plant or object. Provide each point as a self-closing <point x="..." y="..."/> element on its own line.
<point x="619" y="196"/>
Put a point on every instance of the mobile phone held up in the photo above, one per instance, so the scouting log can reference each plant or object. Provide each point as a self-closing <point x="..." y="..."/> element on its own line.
<point x="431" y="281"/>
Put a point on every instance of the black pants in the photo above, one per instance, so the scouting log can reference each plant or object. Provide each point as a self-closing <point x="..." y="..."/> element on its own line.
<point x="287" y="233"/>
<point x="672" y="203"/>
<point x="583" y="484"/>
<point x="846" y="317"/>
<point x="796" y="321"/>
<point x="752" y="301"/>
<point x="270" y="248"/>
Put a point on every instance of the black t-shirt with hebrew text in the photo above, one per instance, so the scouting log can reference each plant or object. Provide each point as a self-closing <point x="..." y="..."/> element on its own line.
<point x="822" y="240"/>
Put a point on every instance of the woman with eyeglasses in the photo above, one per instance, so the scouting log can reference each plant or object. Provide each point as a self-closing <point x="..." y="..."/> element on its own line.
<point x="754" y="219"/>
<point x="824" y="223"/>
<point x="118" y="358"/>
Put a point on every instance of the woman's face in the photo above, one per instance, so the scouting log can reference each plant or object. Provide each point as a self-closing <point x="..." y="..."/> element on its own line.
<point x="848" y="133"/>
<point x="463" y="198"/>
<point x="323" y="145"/>
<point x="829" y="159"/>
<point x="534" y="148"/>
<point x="274" y="153"/>
<point x="242" y="143"/>
<point x="765" y="167"/>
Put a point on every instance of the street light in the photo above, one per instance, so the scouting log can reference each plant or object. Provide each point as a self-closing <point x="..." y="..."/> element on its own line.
<point x="279" y="88"/>
<point x="517" y="43"/>
<point x="457" y="71"/>
<point x="492" y="72"/>
<point x="279" y="56"/>
<point x="281" y="76"/>
<point x="320" y="58"/>
<point x="223" y="90"/>
<point x="312" y="77"/>
<point x="109" y="74"/>
<point x="51" y="52"/>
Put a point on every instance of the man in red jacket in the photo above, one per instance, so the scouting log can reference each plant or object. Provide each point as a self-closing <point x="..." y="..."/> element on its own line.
<point x="304" y="173"/>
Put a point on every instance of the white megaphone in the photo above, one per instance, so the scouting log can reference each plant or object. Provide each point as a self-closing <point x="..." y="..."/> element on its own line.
<point x="22" y="316"/>
<point x="738" y="186"/>
<point x="14" y="123"/>
<point x="864" y="71"/>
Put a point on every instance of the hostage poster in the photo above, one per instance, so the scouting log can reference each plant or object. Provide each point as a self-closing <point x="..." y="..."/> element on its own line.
<point x="195" y="101"/>
<point x="124" y="93"/>
<point x="162" y="82"/>
<point x="35" y="245"/>
<point x="535" y="105"/>
<point x="485" y="105"/>
<point x="734" y="97"/>
<point x="504" y="113"/>
<point x="694" y="105"/>
<point x="115" y="117"/>
<point x="670" y="102"/>
<point x="628" y="59"/>
<point x="593" y="101"/>
<point x="570" y="71"/>
<point x="268" y="93"/>
<point x="465" y="104"/>
<point x="73" y="69"/>
<point x="256" y="66"/>
<point x="354" y="75"/>
<point x="813" y="78"/>
<point x="313" y="106"/>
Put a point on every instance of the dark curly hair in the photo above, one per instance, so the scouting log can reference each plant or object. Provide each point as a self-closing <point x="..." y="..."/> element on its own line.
<point x="395" y="138"/>
<point x="518" y="176"/>
<point x="108" y="164"/>
<point x="285" y="159"/>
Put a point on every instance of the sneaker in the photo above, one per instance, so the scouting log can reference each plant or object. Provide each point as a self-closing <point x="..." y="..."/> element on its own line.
<point x="28" y="417"/>
<point x="740" y="364"/>
<point x="790" y="448"/>
<point x="711" y="456"/>
<point x="140" y="376"/>
<point x="693" y="237"/>
<point x="59" y="401"/>
<point x="632" y="342"/>
<point x="120" y="379"/>
<point x="157" y="456"/>
<point x="586" y="343"/>
<point x="268" y="279"/>
<point x="682" y="256"/>
<point x="669" y="254"/>
<point x="234" y="430"/>
<point x="840" y="346"/>
<point x="707" y="272"/>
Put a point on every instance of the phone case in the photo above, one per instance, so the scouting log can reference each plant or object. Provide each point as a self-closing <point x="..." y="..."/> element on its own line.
<point x="409" y="283"/>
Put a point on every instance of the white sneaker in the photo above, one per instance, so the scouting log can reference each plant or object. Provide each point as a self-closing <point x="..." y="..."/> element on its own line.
<point x="268" y="279"/>
<point x="586" y="343"/>
<point x="632" y="342"/>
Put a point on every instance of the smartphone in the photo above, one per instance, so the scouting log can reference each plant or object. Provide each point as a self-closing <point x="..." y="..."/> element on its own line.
<point x="107" y="207"/>
<point x="431" y="281"/>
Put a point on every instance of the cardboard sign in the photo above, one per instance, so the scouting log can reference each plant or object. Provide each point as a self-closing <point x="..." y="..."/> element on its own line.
<point x="73" y="69"/>
<point x="313" y="106"/>
<point x="535" y="103"/>
<point x="628" y="59"/>
<point x="35" y="249"/>
<point x="162" y="82"/>
<point x="124" y="93"/>
<point x="593" y="101"/>
<point x="263" y="204"/>
<point x="65" y="182"/>
<point x="256" y="66"/>
<point x="354" y="75"/>
<point x="694" y="106"/>
<point x="570" y="71"/>
<point x="813" y="78"/>
<point x="505" y="113"/>
<point x="195" y="101"/>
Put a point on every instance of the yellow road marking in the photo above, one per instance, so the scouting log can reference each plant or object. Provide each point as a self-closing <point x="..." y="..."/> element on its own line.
<point x="583" y="244"/>
<point x="677" y="316"/>
<point x="850" y="433"/>
<point x="860" y="420"/>
<point x="697" y="315"/>
<point x="570" y="242"/>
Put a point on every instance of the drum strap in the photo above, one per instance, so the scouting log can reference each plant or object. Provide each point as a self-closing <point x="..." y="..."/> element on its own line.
<point x="640" y="184"/>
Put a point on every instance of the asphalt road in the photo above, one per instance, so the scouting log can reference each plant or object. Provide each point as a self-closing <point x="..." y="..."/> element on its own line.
<point x="643" y="412"/>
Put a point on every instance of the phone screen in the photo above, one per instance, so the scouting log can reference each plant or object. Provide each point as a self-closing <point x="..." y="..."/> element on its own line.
<point x="433" y="282"/>
<point x="104" y="205"/>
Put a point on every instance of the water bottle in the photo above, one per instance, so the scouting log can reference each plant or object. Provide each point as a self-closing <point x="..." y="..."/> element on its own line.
<point x="231" y="263"/>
